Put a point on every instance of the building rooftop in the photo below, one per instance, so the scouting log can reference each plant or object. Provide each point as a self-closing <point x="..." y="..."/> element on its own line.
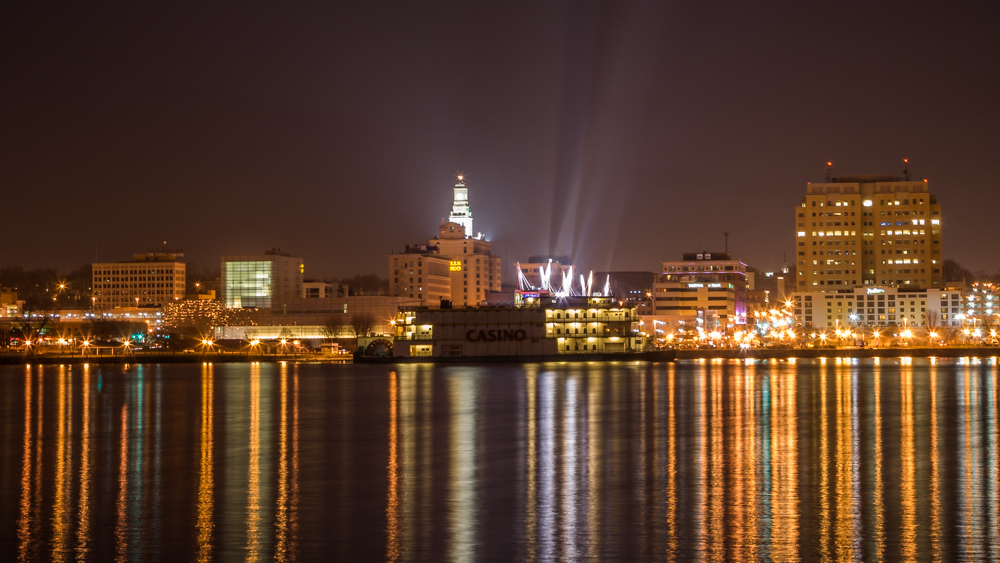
<point x="867" y="179"/>
<point x="705" y="255"/>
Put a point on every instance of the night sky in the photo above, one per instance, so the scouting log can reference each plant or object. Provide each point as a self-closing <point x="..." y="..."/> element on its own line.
<point x="619" y="133"/>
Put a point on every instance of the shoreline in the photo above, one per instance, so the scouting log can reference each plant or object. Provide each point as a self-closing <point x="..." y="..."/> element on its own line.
<point x="682" y="354"/>
<point x="142" y="358"/>
<point x="815" y="353"/>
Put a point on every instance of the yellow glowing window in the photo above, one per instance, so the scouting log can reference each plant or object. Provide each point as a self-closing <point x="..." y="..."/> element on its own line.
<point x="455" y="265"/>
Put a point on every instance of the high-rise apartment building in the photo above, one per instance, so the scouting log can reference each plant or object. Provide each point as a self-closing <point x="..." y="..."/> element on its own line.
<point x="873" y="230"/>
<point x="148" y="280"/>
<point x="261" y="280"/>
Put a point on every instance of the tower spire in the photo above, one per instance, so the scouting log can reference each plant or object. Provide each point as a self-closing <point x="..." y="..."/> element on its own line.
<point x="460" y="211"/>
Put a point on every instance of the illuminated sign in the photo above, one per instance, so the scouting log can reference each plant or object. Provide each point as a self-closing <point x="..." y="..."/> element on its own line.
<point x="872" y="290"/>
<point x="455" y="265"/>
<point x="495" y="335"/>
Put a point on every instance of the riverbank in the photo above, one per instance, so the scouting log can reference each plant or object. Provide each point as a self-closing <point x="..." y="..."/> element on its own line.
<point x="665" y="355"/>
<point x="660" y="355"/>
<point x="813" y="353"/>
<point x="168" y="358"/>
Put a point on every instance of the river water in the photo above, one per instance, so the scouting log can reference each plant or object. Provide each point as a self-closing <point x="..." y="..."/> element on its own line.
<point x="734" y="460"/>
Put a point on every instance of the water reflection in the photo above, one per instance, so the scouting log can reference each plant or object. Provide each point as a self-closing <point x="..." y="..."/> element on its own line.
<point x="462" y="512"/>
<point x="898" y="459"/>
<point x="25" y="523"/>
<point x="83" y="518"/>
<point x="253" y="520"/>
<point x="206" y="467"/>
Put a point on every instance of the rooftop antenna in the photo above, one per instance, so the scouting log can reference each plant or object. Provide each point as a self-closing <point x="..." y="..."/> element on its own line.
<point x="829" y="171"/>
<point x="906" y="169"/>
<point x="727" y="241"/>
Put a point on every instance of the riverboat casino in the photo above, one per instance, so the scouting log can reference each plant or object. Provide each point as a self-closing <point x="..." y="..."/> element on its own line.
<point x="541" y="325"/>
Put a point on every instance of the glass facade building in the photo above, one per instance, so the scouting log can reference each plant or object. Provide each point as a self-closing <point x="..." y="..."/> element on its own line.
<point x="248" y="284"/>
<point x="262" y="281"/>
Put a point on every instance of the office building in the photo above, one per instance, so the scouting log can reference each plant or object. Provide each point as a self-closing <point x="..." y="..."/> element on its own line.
<point x="767" y="290"/>
<point x="875" y="230"/>
<point x="878" y="306"/>
<point x="148" y="280"/>
<point x="626" y="286"/>
<point x="980" y="305"/>
<point x="473" y="269"/>
<point x="540" y="270"/>
<point x="334" y="317"/>
<point x="319" y="290"/>
<point x="705" y="290"/>
<point x="9" y="305"/>
<point x="261" y="280"/>
<point x="420" y="273"/>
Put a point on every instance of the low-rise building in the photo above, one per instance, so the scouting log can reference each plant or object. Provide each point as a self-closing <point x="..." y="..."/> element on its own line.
<point x="318" y="290"/>
<point x="543" y="272"/>
<point x="981" y="306"/>
<point x="341" y="317"/>
<point x="878" y="306"/>
<point x="9" y="305"/>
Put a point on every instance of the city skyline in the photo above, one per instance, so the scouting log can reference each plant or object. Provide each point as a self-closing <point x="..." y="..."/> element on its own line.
<point x="590" y="128"/>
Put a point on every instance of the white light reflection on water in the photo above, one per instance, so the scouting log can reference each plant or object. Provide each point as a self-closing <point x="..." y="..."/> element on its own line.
<point x="463" y="511"/>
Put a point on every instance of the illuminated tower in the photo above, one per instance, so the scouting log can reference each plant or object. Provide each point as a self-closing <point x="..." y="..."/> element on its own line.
<point x="460" y="212"/>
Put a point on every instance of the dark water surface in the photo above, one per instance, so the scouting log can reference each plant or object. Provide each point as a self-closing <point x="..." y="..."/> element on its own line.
<point x="701" y="460"/>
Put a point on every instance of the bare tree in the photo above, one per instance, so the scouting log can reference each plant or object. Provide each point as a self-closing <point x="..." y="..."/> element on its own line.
<point x="31" y="325"/>
<point x="333" y="326"/>
<point x="363" y="324"/>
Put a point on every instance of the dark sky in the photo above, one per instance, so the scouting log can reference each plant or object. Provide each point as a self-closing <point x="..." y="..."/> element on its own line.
<point x="620" y="133"/>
